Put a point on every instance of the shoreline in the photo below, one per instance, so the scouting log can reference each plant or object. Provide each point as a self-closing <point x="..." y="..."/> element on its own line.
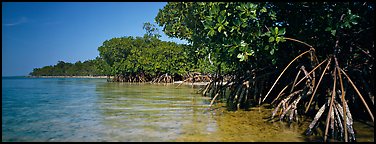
<point x="68" y="76"/>
<point x="105" y="77"/>
<point x="189" y="83"/>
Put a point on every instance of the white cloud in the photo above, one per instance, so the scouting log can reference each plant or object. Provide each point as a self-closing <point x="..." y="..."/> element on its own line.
<point x="18" y="22"/>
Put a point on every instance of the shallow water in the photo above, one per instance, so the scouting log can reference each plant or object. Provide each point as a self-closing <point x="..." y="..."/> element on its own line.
<point x="69" y="109"/>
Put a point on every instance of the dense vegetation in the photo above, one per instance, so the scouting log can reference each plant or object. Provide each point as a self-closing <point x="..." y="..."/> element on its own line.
<point x="137" y="59"/>
<point x="261" y="40"/>
<point x="86" y="68"/>
<point x="143" y="58"/>
<point x="306" y="58"/>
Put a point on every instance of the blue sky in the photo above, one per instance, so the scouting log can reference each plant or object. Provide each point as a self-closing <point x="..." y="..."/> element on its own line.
<point x="37" y="34"/>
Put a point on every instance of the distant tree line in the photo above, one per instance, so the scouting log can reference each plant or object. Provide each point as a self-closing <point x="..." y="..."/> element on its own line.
<point x="86" y="68"/>
<point x="137" y="59"/>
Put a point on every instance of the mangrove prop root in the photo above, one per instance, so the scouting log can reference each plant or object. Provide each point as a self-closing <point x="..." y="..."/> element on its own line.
<point x="350" y="123"/>
<point x="360" y="95"/>
<point x="309" y="80"/>
<point x="307" y="75"/>
<point x="339" y="120"/>
<point x="293" y="94"/>
<point x="207" y="87"/>
<point x="293" y="109"/>
<point x="317" y="86"/>
<point x="317" y="117"/>
<point x="286" y="38"/>
<point x="276" y="109"/>
<point x="292" y="113"/>
<point x="342" y="98"/>
<point x="212" y="101"/>
<point x="182" y="82"/>
<point x="280" y="93"/>
<point x="296" y="78"/>
<point x="332" y="121"/>
<point x="331" y="105"/>
<point x="284" y="72"/>
<point x="288" y="108"/>
<point x="284" y="101"/>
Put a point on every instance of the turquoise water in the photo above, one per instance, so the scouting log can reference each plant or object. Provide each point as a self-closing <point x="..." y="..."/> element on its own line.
<point x="79" y="109"/>
<point x="69" y="109"/>
<point x="49" y="109"/>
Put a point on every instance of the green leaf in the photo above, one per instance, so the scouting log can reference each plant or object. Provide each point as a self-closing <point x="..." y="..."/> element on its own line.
<point x="223" y="12"/>
<point x="226" y="23"/>
<point x="207" y="24"/>
<point x="241" y="56"/>
<point x="211" y="32"/>
<point x="250" y="53"/>
<point x="277" y="39"/>
<point x="276" y="30"/>
<point x="263" y="10"/>
<point x="274" y="61"/>
<point x="272" y="52"/>
<point x="232" y="28"/>
<point x="244" y="25"/>
<point x="282" y="32"/>
<point x="243" y="44"/>
<point x="221" y="19"/>
<point x="333" y="32"/>
<point x="245" y="58"/>
<point x="282" y="39"/>
<point x="220" y="28"/>
<point x="271" y="39"/>
<point x="242" y="48"/>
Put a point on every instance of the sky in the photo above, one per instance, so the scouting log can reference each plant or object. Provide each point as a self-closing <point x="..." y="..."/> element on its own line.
<point x="37" y="34"/>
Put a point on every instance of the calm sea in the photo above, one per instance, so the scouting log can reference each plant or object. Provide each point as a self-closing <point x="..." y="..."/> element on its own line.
<point x="76" y="109"/>
<point x="79" y="109"/>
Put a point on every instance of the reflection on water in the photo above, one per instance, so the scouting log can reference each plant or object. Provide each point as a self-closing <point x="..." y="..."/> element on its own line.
<point x="94" y="110"/>
<point x="246" y="126"/>
<point x="145" y="112"/>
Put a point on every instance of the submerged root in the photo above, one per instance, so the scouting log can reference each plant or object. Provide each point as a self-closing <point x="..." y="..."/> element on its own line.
<point x="338" y="122"/>
<point x="315" y="120"/>
<point x="291" y="107"/>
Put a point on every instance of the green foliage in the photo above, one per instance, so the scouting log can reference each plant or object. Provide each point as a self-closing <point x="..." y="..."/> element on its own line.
<point x="147" y="55"/>
<point x="247" y="38"/>
<point x="233" y="33"/>
<point x="87" y="68"/>
<point x="242" y="40"/>
<point x="239" y="33"/>
<point x="127" y="56"/>
<point x="321" y="23"/>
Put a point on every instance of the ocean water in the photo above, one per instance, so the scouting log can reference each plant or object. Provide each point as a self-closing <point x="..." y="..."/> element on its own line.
<point x="76" y="109"/>
<point x="79" y="109"/>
